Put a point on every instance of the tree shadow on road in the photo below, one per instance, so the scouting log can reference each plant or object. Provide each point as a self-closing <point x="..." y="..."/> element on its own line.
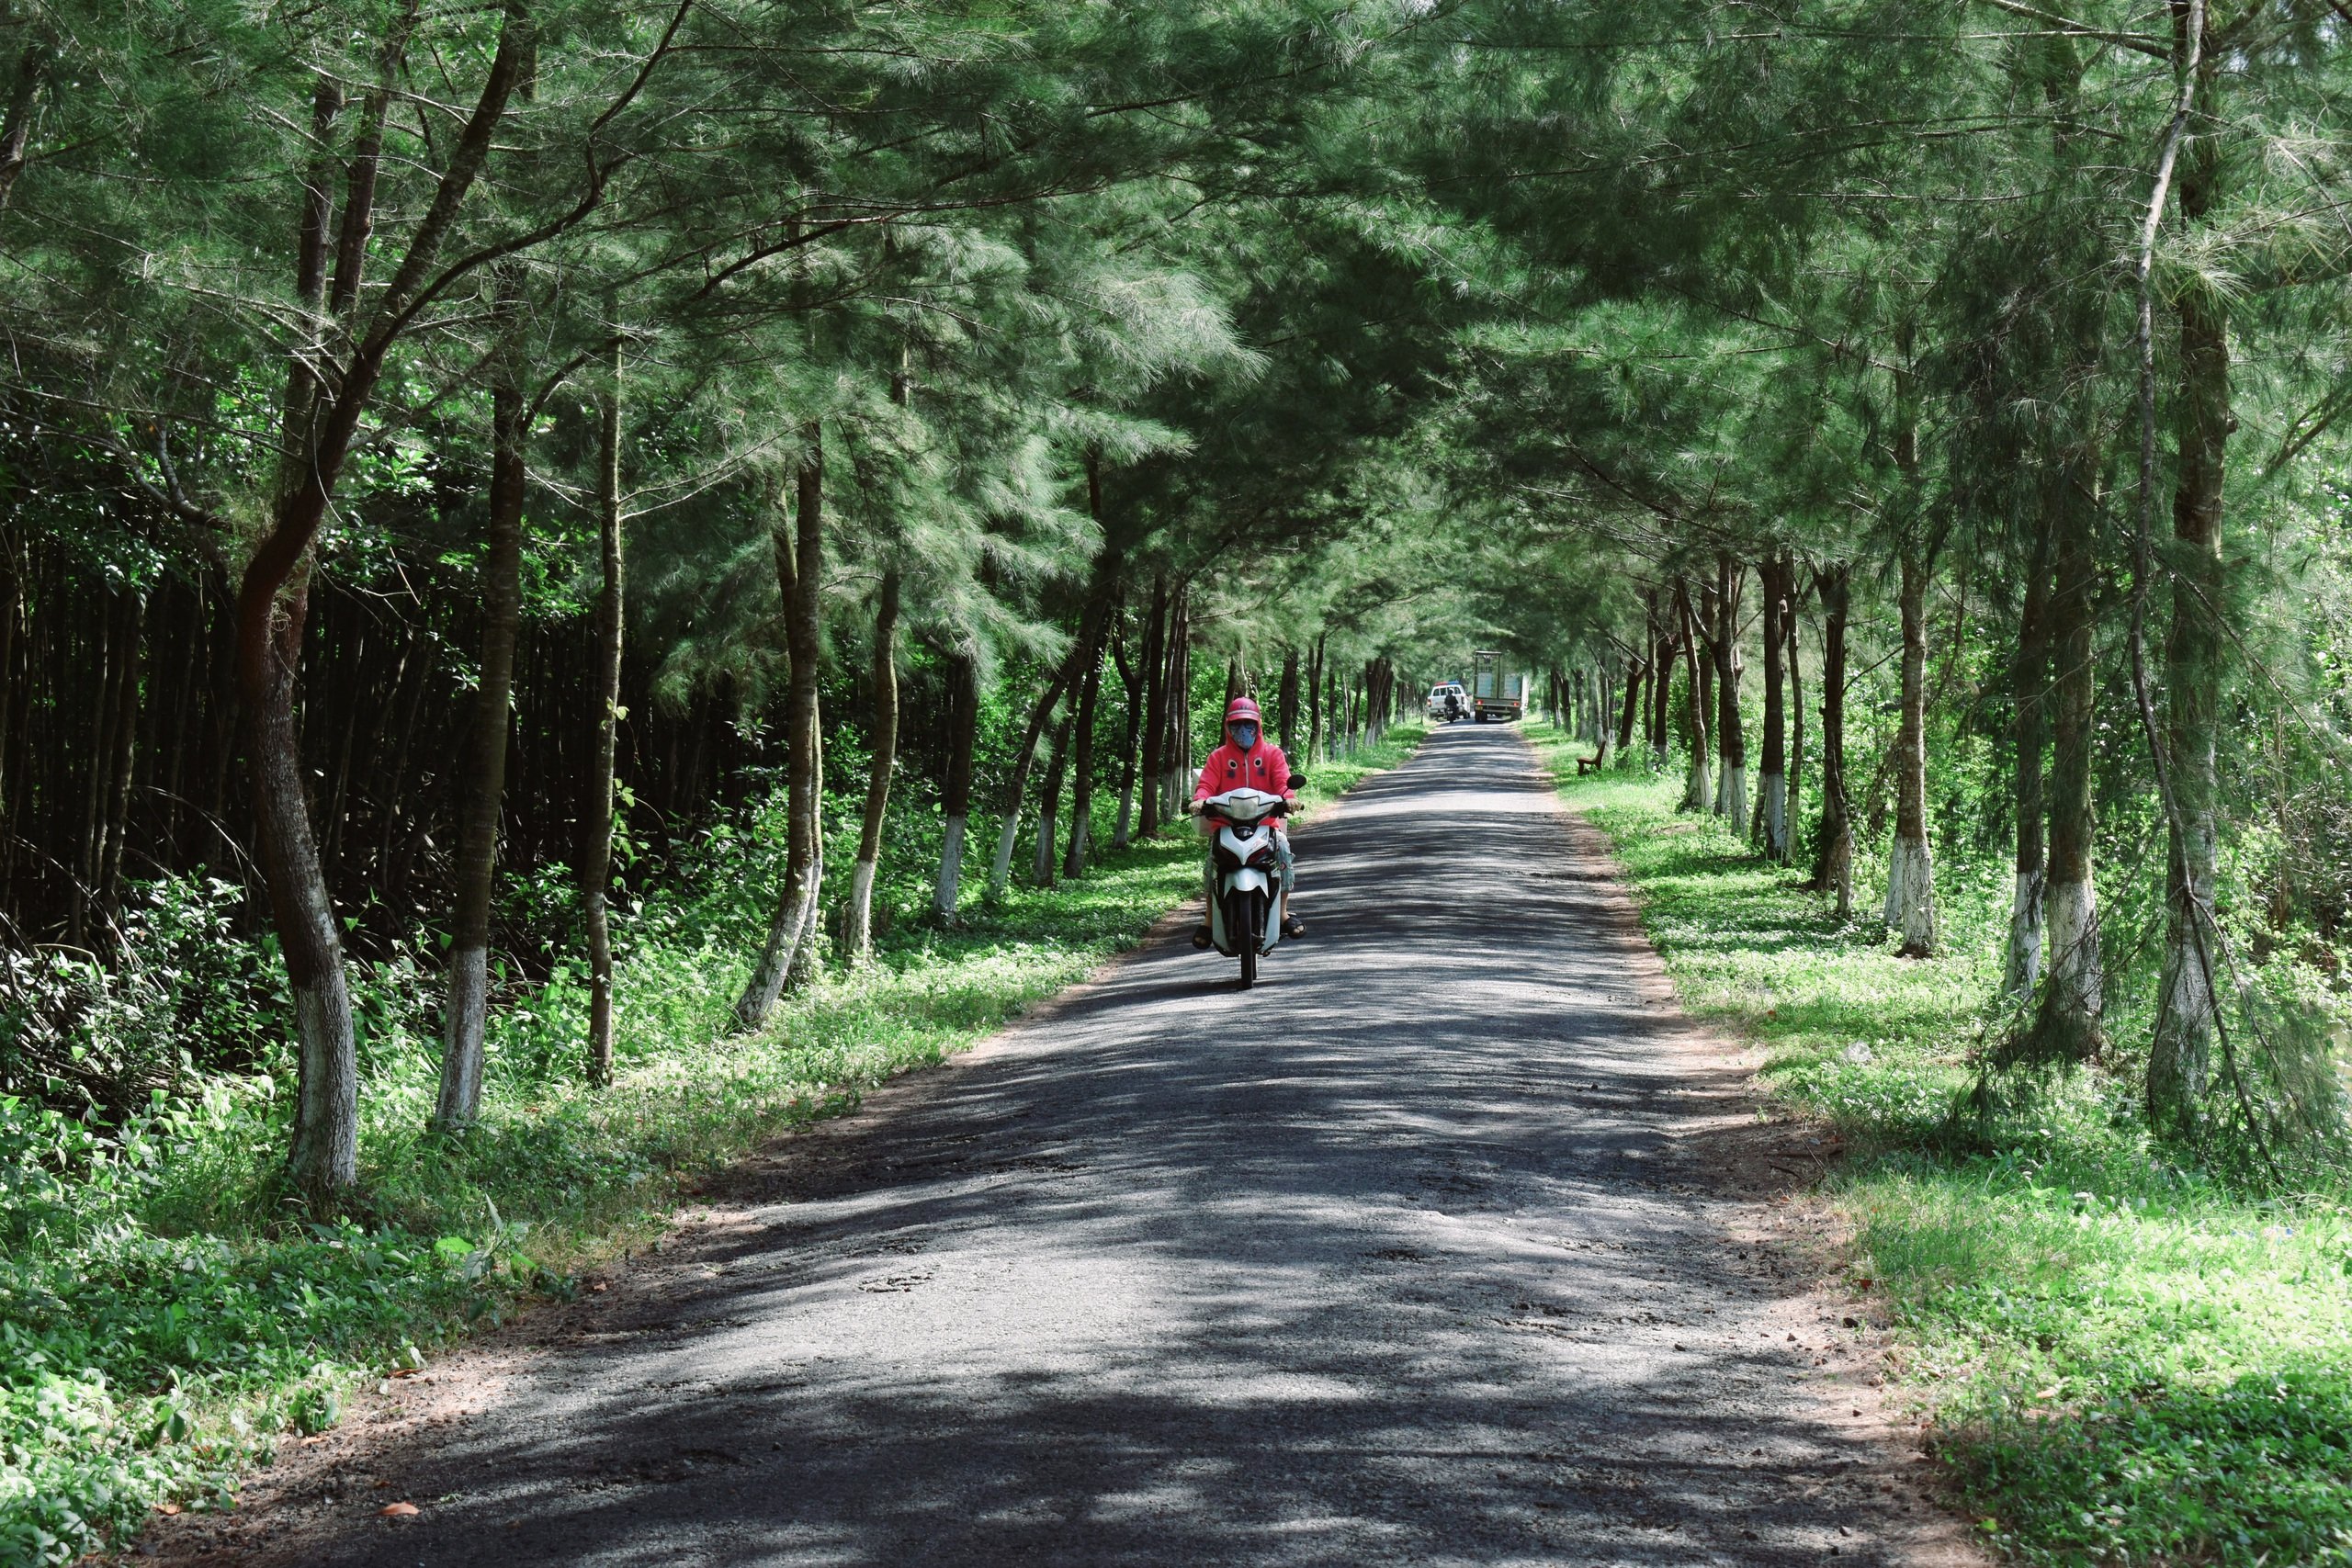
<point x="1427" y="1255"/>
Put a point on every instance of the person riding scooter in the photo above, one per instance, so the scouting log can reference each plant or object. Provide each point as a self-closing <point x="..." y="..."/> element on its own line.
<point x="1247" y="760"/>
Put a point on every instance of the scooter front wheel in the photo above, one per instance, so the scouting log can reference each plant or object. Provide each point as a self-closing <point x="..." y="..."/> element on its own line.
<point x="1252" y="927"/>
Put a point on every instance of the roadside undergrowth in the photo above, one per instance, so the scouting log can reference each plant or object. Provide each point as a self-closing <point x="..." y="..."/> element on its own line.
<point x="2125" y="1358"/>
<point x="166" y="1317"/>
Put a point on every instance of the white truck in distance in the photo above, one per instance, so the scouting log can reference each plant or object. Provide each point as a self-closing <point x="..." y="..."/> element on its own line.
<point x="1494" y="692"/>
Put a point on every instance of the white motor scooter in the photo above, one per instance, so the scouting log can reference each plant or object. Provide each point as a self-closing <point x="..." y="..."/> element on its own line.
<point x="1249" y="906"/>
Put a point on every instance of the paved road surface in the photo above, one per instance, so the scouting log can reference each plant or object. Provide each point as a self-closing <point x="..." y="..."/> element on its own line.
<point x="1440" y="1248"/>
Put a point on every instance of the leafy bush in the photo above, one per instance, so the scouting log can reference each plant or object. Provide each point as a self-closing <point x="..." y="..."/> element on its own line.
<point x="186" y="995"/>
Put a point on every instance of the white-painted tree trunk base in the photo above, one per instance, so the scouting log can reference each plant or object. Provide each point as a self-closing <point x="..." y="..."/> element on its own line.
<point x="326" y="1154"/>
<point x="858" y="934"/>
<point x="1041" y="864"/>
<point x="945" y="892"/>
<point x="1698" y="792"/>
<point x="2026" y="904"/>
<point x="1731" y="796"/>
<point x="1911" y="896"/>
<point x="1124" y="833"/>
<point x="1773" y="814"/>
<point x="2181" y="1061"/>
<point x="775" y="961"/>
<point x="808" y="947"/>
<point x="1000" y="873"/>
<point x="2070" y="934"/>
<point x="462" y="1025"/>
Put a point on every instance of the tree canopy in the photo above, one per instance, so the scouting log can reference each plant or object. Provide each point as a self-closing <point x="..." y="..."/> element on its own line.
<point x="412" y="412"/>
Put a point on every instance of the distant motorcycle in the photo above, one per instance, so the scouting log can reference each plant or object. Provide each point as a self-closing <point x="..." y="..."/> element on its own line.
<point x="1246" y="913"/>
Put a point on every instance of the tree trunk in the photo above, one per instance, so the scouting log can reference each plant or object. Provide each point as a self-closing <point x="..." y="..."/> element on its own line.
<point x="322" y="1158"/>
<point x="1171" y="709"/>
<point x="88" y="849"/>
<point x="126" y="734"/>
<point x="2067" y="1027"/>
<point x="1131" y="686"/>
<point x="1286" y="699"/>
<point x="1731" y="734"/>
<point x="1910" y="881"/>
<point x="1097" y="634"/>
<point x="465" y="1015"/>
<point x="1081" y="771"/>
<point x="352" y="668"/>
<point x="16" y="129"/>
<point x="11" y="614"/>
<point x="1180" y="754"/>
<point x="798" y="572"/>
<point x="1791" y="812"/>
<point x="425" y="664"/>
<point x="1155" y="709"/>
<point x="597" y="859"/>
<point x="1041" y="870"/>
<point x="1009" y="817"/>
<point x="1697" y="790"/>
<point x="1773" y="799"/>
<point x="185" y="704"/>
<point x="859" y="930"/>
<point x="1661" y="688"/>
<point x="1604" y="707"/>
<point x="809" y="943"/>
<point x="1316" y="704"/>
<point x="2027" y="732"/>
<point x="955" y="790"/>
<point x="1637" y="673"/>
<point x="88" y="852"/>
<point x="2180" y="1062"/>
<point x="1833" y="866"/>
<point x="273" y="601"/>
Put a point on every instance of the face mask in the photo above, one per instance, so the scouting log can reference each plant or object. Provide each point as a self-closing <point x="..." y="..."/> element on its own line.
<point x="1245" y="736"/>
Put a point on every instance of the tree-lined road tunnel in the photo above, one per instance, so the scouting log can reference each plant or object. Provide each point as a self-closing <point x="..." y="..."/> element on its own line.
<point x="1447" y="1245"/>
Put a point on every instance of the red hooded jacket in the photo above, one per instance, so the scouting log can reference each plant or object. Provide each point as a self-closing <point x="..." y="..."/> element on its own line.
<point x="1262" y="766"/>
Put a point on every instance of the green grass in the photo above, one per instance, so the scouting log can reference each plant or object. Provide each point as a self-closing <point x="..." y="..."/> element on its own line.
<point x="165" y="1318"/>
<point x="2124" y="1359"/>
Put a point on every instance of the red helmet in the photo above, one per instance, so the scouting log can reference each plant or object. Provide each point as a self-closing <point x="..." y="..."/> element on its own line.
<point x="1240" y="709"/>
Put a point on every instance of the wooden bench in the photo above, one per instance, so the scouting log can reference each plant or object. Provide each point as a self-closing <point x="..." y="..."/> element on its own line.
<point x="1589" y="764"/>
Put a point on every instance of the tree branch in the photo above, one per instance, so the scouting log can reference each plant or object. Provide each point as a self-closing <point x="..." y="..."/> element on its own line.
<point x="2133" y="41"/>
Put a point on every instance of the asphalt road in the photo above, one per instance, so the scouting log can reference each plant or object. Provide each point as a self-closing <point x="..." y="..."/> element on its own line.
<point x="1453" y="1242"/>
